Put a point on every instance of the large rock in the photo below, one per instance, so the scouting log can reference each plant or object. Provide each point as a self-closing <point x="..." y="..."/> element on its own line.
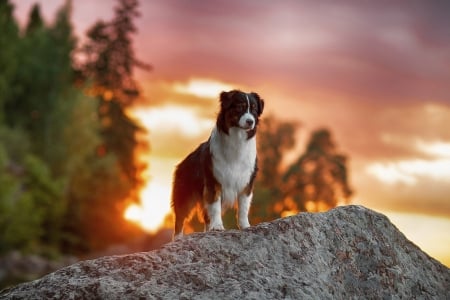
<point x="349" y="252"/>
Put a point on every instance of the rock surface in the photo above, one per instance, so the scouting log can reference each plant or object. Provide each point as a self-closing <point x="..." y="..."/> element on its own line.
<point x="346" y="253"/>
<point x="16" y="267"/>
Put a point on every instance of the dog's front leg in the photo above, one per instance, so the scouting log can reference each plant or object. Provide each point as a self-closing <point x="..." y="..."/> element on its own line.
<point x="215" y="216"/>
<point x="243" y="209"/>
<point x="213" y="205"/>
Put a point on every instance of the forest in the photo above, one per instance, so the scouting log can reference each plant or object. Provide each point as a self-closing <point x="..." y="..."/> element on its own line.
<point x="67" y="147"/>
<point x="68" y="165"/>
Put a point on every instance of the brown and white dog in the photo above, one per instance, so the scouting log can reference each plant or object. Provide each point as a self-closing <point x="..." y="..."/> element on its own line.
<point x="222" y="169"/>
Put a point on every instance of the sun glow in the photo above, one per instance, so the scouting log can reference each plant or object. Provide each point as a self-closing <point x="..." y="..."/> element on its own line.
<point x="421" y="229"/>
<point x="167" y="120"/>
<point x="153" y="209"/>
<point x="154" y="195"/>
<point x="172" y="118"/>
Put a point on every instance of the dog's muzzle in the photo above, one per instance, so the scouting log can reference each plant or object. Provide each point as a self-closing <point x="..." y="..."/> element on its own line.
<point x="247" y="121"/>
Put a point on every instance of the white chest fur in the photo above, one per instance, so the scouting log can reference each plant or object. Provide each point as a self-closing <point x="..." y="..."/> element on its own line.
<point x="233" y="157"/>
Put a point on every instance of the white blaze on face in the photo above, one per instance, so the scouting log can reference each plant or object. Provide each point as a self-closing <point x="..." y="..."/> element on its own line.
<point x="247" y="120"/>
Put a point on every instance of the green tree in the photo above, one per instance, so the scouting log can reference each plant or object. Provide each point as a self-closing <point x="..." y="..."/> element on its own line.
<point x="21" y="109"/>
<point x="67" y="164"/>
<point x="9" y="39"/>
<point x="30" y="206"/>
<point x="43" y="81"/>
<point x="38" y="160"/>
<point x="35" y="21"/>
<point x="32" y="197"/>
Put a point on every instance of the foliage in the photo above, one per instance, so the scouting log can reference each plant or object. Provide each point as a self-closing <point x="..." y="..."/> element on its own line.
<point x="9" y="36"/>
<point x="110" y="61"/>
<point x="65" y="173"/>
<point x="275" y="138"/>
<point x="316" y="181"/>
<point x="31" y="202"/>
<point x="319" y="176"/>
<point x="113" y="171"/>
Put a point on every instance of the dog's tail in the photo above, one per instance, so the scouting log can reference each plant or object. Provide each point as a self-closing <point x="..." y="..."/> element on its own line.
<point x="185" y="201"/>
<point x="181" y="208"/>
<point x="187" y="187"/>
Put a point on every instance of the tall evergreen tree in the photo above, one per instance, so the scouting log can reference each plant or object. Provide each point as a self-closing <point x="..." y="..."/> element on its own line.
<point x="112" y="176"/>
<point x="110" y="62"/>
<point x="35" y="21"/>
<point x="65" y="157"/>
<point x="36" y="113"/>
<point x="9" y="39"/>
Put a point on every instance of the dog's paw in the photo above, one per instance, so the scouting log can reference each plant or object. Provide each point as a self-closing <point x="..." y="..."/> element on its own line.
<point x="177" y="237"/>
<point x="244" y="224"/>
<point x="216" y="227"/>
<point x="217" y="230"/>
<point x="241" y="227"/>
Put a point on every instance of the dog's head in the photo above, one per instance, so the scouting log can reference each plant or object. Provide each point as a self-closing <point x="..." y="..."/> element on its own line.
<point x="241" y="110"/>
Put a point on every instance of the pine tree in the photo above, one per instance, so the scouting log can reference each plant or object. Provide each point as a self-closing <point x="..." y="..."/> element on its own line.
<point x="9" y="39"/>
<point x="106" y="187"/>
<point x="35" y="21"/>
<point x="110" y="63"/>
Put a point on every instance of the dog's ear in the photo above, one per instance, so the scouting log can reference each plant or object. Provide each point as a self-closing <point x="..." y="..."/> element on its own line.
<point x="260" y="103"/>
<point x="226" y="99"/>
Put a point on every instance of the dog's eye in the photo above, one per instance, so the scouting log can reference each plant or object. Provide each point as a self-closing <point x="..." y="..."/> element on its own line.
<point x="253" y="107"/>
<point x="240" y="107"/>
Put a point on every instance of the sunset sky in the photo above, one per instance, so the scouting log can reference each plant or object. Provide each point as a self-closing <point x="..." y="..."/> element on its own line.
<point x="376" y="73"/>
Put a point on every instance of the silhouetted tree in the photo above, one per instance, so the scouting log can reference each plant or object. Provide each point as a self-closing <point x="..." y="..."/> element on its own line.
<point x="320" y="174"/>
<point x="101" y="190"/>
<point x="110" y="61"/>
<point x="275" y="139"/>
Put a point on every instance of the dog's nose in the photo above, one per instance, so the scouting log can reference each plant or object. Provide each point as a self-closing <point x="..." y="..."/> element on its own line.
<point x="249" y="122"/>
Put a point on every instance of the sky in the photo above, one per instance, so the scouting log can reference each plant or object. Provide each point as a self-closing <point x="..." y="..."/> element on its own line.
<point x="376" y="73"/>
